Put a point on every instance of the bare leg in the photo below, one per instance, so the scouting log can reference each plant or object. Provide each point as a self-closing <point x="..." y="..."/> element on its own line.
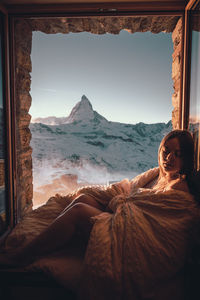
<point x="86" y="199"/>
<point x="59" y="232"/>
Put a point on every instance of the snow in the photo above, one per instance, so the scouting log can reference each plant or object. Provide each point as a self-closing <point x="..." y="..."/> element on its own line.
<point x="94" y="149"/>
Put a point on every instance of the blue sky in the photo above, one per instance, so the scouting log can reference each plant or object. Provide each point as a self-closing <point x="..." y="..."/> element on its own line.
<point x="126" y="77"/>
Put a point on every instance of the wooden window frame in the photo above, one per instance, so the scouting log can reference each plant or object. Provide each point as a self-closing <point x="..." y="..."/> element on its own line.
<point x="9" y="176"/>
<point x="185" y="106"/>
<point x="78" y="10"/>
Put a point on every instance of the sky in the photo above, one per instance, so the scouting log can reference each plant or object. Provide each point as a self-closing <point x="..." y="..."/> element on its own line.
<point x="195" y="77"/>
<point x="126" y="77"/>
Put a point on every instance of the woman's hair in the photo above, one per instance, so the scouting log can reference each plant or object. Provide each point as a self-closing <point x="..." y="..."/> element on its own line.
<point x="186" y="144"/>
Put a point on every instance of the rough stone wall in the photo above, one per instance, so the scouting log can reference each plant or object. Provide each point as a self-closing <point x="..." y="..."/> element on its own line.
<point x="176" y="72"/>
<point x="97" y="25"/>
<point x="102" y="25"/>
<point x="24" y="186"/>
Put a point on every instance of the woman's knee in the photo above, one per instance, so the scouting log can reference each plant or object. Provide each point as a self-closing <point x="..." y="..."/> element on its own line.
<point x="78" y="205"/>
<point x="89" y="200"/>
<point x="80" y="208"/>
<point x="84" y="211"/>
<point x="82" y="198"/>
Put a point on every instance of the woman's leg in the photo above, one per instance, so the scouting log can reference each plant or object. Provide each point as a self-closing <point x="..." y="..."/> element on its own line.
<point x="86" y="199"/>
<point x="58" y="233"/>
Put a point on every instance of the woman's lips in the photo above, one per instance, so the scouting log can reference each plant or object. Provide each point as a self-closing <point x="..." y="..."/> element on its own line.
<point x="167" y="165"/>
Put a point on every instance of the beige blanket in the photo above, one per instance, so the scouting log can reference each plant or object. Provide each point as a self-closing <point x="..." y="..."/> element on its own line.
<point x="139" y="251"/>
<point x="134" y="253"/>
<point x="66" y="265"/>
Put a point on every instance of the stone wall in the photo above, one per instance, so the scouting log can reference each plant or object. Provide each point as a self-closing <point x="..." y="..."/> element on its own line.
<point x="23" y="44"/>
<point x="98" y="25"/>
<point x="176" y="72"/>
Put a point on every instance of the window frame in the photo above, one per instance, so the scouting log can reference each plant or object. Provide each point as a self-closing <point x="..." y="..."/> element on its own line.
<point x="9" y="184"/>
<point x="187" y="38"/>
<point x="77" y="10"/>
<point x="190" y="12"/>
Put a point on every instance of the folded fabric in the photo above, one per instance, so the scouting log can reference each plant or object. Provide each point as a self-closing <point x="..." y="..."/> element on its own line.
<point x="139" y="251"/>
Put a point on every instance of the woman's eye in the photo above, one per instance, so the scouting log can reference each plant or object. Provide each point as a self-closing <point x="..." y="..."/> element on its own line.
<point x="165" y="152"/>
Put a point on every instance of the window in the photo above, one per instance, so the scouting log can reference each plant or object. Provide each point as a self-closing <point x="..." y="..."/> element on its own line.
<point x="74" y="20"/>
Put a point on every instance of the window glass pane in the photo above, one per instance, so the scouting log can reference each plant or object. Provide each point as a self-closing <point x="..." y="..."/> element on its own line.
<point x="194" y="84"/>
<point x="2" y="149"/>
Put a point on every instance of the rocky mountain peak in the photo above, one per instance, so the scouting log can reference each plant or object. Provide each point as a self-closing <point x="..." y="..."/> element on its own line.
<point x="85" y="101"/>
<point x="82" y="111"/>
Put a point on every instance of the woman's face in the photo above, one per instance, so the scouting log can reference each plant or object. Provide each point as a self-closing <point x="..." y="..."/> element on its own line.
<point x="170" y="157"/>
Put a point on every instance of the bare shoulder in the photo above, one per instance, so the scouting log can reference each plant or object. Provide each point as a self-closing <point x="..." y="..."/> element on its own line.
<point x="180" y="185"/>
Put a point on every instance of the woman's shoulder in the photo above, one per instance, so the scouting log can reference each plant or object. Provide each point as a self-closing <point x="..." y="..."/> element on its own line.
<point x="145" y="178"/>
<point x="181" y="185"/>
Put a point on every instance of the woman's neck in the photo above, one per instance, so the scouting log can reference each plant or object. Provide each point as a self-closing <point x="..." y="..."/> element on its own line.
<point x="171" y="181"/>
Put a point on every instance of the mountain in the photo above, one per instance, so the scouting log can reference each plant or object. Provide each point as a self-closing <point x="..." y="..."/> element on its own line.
<point x="82" y="112"/>
<point x="50" y="120"/>
<point x="91" y="147"/>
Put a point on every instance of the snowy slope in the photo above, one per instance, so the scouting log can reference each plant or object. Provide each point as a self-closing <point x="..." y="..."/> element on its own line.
<point x="93" y="148"/>
<point x="50" y="120"/>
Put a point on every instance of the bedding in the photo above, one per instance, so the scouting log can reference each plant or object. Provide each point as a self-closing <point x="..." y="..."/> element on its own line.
<point x="138" y="252"/>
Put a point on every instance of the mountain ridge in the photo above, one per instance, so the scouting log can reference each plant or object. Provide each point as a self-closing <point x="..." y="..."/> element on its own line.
<point x="81" y="112"/>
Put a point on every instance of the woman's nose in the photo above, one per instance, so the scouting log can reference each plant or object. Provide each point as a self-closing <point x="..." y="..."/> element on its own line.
<point x="170" y="155"/>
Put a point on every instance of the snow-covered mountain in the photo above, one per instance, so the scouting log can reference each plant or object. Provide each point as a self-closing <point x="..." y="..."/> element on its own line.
<point x="93" y="148"/>
<point x="50" y="120"/>
<point x="82" y="112"/>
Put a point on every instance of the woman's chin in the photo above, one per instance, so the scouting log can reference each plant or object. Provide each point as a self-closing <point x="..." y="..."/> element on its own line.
<point x="170" y="170"/>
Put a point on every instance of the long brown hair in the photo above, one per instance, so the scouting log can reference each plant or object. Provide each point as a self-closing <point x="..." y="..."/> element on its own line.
<point x="187" y="153"/>
<point x="187" y="149"/>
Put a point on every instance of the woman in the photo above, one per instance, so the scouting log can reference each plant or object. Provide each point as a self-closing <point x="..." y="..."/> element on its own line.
<point x="139" y="252"/>
<point x="176" y="166"/>
<point x="141" y="229"/>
